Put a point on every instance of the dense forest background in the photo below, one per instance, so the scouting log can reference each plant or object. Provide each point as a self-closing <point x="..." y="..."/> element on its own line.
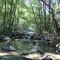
<point x="41" y="16"/>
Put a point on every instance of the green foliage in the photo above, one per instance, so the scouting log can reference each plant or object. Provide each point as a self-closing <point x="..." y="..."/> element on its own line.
<point x="16" y="15"/>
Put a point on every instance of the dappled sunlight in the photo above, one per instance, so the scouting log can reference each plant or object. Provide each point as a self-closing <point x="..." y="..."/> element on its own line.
<point x="8" y="53"/>
<point x="34" y="56"/>
<point x="3" y="54"/>
<point x="40" y="57"/>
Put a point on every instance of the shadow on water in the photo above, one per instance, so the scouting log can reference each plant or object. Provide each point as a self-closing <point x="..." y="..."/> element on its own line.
<point x="13" y="58"/>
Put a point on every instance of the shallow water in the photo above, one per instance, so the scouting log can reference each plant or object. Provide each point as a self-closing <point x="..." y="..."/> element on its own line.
<point x="13" y="58"/>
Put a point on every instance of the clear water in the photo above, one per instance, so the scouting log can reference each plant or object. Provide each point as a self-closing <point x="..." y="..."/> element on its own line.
<point x="11" y="58"/>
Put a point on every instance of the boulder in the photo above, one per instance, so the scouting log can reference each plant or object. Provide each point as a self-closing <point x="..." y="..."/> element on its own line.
<point x="8" y="47"/>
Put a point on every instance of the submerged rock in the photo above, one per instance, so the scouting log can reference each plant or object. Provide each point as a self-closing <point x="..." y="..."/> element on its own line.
<point x="8" y="48"/>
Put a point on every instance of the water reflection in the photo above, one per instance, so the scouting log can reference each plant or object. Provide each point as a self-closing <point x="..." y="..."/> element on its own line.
<point x="11" y="58"/>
